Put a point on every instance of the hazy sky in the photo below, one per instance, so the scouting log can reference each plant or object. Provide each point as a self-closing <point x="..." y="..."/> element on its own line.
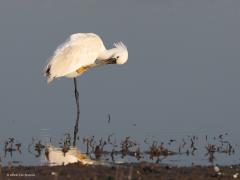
<point x="182" y="74"/>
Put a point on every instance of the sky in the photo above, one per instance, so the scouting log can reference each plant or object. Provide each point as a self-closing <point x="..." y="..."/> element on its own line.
<point x="182" y="75"/>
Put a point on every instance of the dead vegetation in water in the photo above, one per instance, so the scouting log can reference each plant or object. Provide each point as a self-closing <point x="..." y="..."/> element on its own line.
<point x="11" y="146"/>
<point x="157" y="150"/>
<point x="65" y="143"/>
<point x="224" y="147"/>
<point x="127" y="147"/>
<point x="153" y="150"/>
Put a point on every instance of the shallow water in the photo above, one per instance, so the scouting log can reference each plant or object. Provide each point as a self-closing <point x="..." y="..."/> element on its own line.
<point x="180" y="150"/>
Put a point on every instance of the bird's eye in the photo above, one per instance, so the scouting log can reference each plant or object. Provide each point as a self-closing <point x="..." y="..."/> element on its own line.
<point x="117" y="57"/>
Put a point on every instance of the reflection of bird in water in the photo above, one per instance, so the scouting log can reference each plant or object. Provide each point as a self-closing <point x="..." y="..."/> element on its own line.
<point x="55" y="156"/>
<point x="81" y="52"/>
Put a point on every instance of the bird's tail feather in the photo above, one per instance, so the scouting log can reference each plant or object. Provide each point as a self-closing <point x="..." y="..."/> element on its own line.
<point x="47" y="73"/>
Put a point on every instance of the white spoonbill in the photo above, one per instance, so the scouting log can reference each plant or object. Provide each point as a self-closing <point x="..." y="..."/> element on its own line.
<point x="81" y="52"/>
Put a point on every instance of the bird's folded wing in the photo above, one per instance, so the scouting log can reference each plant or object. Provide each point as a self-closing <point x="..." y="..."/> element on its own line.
<point x="79" y="50"/>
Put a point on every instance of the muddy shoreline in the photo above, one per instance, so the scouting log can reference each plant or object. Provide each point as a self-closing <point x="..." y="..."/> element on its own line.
<point x="142" y="170"/>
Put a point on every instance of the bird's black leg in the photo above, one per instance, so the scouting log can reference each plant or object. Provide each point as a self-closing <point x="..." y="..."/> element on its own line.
<point x="78" y="111"/>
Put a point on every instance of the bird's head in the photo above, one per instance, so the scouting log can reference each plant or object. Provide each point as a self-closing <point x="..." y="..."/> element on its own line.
<point x="121" y="53"/>
<point x="116" y="55"/>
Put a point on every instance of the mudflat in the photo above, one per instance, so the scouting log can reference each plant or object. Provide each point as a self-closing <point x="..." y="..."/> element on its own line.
<point x="141" y="170"/>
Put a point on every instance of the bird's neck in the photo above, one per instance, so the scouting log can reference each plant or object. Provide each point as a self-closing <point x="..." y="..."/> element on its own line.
<point x="107" y="54"/>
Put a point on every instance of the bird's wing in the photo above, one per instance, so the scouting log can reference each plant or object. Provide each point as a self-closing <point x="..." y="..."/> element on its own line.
<point x="79" y="50"/>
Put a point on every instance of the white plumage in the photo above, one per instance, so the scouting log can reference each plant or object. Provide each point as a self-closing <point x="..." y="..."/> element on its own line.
<point x="81" y="52"/>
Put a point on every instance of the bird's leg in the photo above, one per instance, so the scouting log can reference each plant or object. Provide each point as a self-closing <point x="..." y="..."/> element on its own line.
<point x="78" y="111"/>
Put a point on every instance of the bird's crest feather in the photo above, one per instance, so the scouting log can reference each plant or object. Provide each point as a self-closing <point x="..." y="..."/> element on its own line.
<point x="120" y="45"/>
